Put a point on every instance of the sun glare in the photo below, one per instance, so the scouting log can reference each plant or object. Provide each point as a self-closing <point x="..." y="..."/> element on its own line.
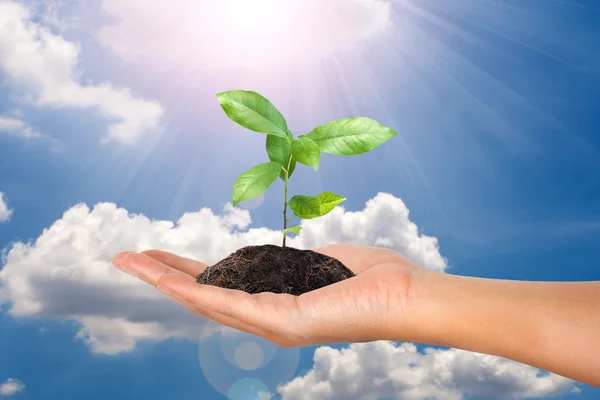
<point x="253" y="29"/>
<point x="255" y="16"/>
<point x="241" y="32"/>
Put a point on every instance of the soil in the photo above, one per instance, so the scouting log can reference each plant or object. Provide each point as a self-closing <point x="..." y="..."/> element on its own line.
<point x="269" y="268"/>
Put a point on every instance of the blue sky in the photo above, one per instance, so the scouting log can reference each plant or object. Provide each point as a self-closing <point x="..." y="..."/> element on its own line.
<point x="496" y="103"/>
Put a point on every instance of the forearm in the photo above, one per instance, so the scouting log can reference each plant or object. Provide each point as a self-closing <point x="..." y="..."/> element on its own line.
<point x="553" y="326"/>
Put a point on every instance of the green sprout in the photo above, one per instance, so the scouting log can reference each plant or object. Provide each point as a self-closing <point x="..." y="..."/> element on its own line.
<point x="344" y="137"/>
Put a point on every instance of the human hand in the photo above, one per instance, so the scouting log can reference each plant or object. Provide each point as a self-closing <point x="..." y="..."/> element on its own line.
<point x="373" y="305"/>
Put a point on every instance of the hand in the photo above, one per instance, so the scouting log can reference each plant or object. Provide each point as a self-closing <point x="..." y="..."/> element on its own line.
<point x="550" y="325"/>
<point x="373" y="305"/>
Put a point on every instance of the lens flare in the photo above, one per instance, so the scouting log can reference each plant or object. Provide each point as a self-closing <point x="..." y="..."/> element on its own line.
<point x="244" y="366"/>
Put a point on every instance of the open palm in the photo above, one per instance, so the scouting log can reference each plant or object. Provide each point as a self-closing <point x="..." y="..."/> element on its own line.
<point x="358" y="309"/>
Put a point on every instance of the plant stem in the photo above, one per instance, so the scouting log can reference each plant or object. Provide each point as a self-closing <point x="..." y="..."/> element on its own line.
<point x="285" y="194"/>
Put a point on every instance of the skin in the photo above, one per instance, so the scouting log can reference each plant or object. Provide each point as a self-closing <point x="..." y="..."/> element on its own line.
<point x="550" y="325"/>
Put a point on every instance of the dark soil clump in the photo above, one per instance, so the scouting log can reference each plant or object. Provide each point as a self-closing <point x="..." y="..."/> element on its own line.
<point x="268" y="268"/>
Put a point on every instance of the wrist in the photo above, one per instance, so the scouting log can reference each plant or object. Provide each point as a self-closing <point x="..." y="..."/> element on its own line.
<point x="427" y="308"/>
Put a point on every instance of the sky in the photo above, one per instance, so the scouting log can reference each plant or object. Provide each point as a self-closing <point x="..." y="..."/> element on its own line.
<point x="111" y="139"/>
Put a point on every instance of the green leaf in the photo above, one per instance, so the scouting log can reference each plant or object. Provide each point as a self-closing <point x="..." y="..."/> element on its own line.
<point x="255" y="181"/>
<point x="306" y="151"/>
<point x="253" y="111"/>
<point x="308" y="207"/>
<point x="293" y="229"/>
<point x="350" y="136"/>
<point x="279" y="150"/>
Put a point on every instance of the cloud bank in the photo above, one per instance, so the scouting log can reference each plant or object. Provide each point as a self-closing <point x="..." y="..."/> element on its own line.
<point x="399" y="371"/>
<point x="45" y="65"/>
<point x="66" y="272"/>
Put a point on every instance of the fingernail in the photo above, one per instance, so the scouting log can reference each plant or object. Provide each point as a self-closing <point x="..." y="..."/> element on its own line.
<point x="129" y="268"/>
<point x="118" y="260"/>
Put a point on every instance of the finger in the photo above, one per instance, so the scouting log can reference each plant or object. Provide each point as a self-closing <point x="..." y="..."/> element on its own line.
<point x="236" y="304"/>
<point x="240" y="326"/>
<point x="215" y="316"/>
<point x="233" y="323"/>
<point x="153" y="272"/>
<point x="147" y="268"/>
<point x="117" y="259"/>
<point x="352" y="256"/>
<point x="358" y="258"/>
<point x="186" y="265"/>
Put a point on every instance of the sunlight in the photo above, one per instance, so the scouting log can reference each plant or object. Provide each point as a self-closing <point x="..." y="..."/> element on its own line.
<point x="130" y="125"/>
<point x="211" y="33"/>
<point x="246" y="30"/>
<point x="255" y="17"/>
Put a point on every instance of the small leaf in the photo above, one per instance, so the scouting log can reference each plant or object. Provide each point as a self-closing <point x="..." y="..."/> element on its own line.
<point x="306" y="151"/>
<point x="279" y="150"/>
<point x="253" y="111"/>
<point x="293" y="229"/>
<point x="305" y="207"/>
<point x="350" y="136"/>
<point x="308" y="207"/>
<point x="255" y="181"/>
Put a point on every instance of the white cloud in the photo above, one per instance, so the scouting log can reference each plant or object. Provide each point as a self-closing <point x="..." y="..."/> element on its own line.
<point x="11" y="386"/>
<point x="45" y="64"/>
<point x="264" y="396"/>
<point x="17" y="127"/>
<point x="5" y="212"/>
<point x="384" y="369"/>
<point x="66" y="273"/>
<point x="223" y="33"/>
<point x="59" y="15"/>
<point x="384" y="223"/>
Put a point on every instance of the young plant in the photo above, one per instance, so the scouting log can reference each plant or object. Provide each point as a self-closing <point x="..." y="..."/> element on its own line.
<point x="344" y="137"/>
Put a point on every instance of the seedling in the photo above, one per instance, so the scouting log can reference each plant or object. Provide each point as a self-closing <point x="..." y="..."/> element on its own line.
<point x="268" y="268"/>
<point x="344" y="137"/>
